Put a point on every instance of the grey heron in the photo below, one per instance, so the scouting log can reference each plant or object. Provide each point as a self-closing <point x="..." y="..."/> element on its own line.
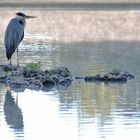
<point x="14" y="34"/>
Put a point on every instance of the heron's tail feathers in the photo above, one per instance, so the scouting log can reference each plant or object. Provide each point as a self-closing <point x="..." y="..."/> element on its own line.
<point x="9" y="52"/>
<point x="8" y="55"/>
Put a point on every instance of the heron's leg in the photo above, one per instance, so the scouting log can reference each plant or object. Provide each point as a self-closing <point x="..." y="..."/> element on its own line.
<point x="17" y="58"/>
<point x="10" y="62"/>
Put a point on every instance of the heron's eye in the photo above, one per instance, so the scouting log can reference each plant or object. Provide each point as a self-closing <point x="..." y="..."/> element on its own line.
<point x="20" y="22"/>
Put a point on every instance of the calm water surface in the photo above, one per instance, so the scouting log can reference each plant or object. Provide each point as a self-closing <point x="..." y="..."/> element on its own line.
<point x="83" y="111"/>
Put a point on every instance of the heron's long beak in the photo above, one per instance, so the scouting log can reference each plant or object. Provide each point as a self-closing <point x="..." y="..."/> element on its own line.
<point x="30" y="16"/>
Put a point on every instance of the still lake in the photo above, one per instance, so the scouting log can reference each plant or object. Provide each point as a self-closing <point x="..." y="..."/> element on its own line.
<point x="82" y="111"/>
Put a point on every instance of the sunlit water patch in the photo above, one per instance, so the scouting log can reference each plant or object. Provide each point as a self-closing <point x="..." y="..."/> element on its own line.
<point x="38" y="39"/>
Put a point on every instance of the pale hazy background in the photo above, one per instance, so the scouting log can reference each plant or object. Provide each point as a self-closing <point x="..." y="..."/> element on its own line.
<point x="76" y="26"/>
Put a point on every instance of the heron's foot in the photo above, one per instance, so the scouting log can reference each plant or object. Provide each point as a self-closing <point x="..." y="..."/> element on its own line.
<point x="18" y="64"/>
<point x="10" y="62"/>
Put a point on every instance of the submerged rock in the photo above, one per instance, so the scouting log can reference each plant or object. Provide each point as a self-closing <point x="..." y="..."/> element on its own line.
<point x="34" y="78"/>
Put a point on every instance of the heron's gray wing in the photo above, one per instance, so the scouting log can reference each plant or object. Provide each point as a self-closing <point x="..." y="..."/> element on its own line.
<point x="13" y="36"/>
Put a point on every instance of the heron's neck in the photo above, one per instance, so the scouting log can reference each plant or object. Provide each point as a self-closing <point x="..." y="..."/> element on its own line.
<point x="21" y="19"/>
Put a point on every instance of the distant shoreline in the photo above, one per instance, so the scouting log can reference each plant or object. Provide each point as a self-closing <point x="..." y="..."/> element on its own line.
<point x="74" y="6"/>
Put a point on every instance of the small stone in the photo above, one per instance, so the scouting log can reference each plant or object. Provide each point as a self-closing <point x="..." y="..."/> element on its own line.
<point x="65" y="82"/>
<point x="78" y="77"/>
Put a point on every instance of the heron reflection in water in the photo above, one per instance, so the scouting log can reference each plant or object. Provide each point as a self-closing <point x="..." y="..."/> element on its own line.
<point x="13" y="113"/>
<point x="14" y="34"/>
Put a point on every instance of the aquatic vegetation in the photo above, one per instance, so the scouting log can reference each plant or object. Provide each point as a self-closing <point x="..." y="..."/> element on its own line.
<point x="33" y="66"/>
<point x="116" y="71"/>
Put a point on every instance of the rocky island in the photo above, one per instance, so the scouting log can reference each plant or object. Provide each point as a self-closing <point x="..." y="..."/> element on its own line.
<point x="31" y="76"/>
<point x="35" y="78"/>
<point x="114" y="76"/>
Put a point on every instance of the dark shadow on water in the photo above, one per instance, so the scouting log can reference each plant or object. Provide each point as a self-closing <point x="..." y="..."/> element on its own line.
<point x="13" y="114"/>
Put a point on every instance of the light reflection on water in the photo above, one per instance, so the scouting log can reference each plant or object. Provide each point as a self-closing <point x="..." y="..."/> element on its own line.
<point x="83" y="111"/>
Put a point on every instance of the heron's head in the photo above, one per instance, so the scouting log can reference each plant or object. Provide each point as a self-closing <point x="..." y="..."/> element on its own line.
<point x="22" y="15"/>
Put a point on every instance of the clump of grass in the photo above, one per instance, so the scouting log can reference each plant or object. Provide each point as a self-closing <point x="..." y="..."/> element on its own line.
<point x="33" y="66"/>
<point x="116" y="71"/>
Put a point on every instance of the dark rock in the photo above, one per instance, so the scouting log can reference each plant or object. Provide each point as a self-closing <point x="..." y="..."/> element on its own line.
<point x="65" y="82"/>
<point x="27" y="72"/>
<point x="63" y="71"/>
<point x="58" y="76"/>
<point x="8" y="67"/>
<point x="89" y="78"/>
<point x="127" y="74"/>
<point x="78" y="77"/>
<point x="48" y="81"/>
